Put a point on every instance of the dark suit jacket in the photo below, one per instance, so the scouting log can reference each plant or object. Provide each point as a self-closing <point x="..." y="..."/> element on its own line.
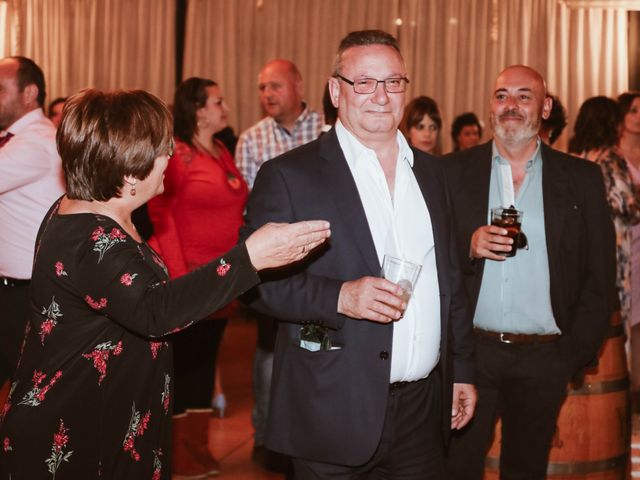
<point x="579" y="233"/>
<point x="329" y="406"/>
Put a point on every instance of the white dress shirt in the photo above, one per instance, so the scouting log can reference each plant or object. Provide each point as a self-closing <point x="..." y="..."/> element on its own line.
<point x="30" y="181"/>
<point x="401" y="226"/>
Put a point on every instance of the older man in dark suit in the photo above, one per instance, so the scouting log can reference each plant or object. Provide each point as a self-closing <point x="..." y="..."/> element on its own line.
<point x="539" y="316"/>
<point x="363" y="381"/>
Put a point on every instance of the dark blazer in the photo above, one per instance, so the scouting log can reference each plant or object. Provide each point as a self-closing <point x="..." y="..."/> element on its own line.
<point x="329" y="406"/>
<point x="579" y="233"/>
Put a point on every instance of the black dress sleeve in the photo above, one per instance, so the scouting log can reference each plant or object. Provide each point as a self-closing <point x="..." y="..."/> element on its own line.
<point x="116" y="278"/>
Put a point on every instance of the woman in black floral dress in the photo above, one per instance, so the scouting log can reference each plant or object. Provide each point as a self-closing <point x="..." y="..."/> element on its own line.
<point x="92" y="392"/>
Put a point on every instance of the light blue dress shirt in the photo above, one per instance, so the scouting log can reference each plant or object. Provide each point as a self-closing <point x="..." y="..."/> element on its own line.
<point x="515" y="294"/>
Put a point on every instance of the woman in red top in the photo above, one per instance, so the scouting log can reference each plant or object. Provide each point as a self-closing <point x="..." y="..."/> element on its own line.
<point x="196" y="219"/>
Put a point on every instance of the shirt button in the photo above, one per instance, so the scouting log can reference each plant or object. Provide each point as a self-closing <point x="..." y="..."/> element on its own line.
<point x="384" y="355"/>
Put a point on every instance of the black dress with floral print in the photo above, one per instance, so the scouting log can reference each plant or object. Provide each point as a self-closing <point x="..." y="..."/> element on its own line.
<point x="91" y="396"/>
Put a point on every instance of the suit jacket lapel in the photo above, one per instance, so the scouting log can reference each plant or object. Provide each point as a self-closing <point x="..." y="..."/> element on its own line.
<point x="556" y="200"/>
<point x="432" y="191"/>
<point x="472" y="192"/>
<point x="345" y="195"/>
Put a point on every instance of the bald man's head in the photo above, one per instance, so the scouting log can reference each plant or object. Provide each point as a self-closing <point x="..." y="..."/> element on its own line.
<point x="281" y="91"/>
<point x="518" y="105"/>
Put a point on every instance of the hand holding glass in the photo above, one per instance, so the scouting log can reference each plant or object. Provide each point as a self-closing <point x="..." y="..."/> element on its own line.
<point x="401" y="272"/>
<point x="510" y="219"/>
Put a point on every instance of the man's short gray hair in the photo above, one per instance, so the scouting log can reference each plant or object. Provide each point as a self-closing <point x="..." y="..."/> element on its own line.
<point x="362" y="38"/>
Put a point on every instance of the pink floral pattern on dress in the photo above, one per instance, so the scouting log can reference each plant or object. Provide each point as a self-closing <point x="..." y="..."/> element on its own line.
<point x="127" y="279"/>
<point x="96" y="305"/>
<point x="157" y="464"/>
<point x="58" y="455"/>
<point x="166" y="393"/>
<point x="37" y="394"/>
<point x="137" y="426"/>
<point x="104" y="241"/>
<point x="52" y="313"/>
<point x="100" y="356"/>
<point x="60" y="272"/>
<point x="223" y="268"/>
<point x="155" y="348"/>
<point x="6" y="444"/>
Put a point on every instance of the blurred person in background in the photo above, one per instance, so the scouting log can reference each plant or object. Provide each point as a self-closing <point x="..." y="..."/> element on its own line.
<point x="630" y="150"/>
<point x="30" y="181"/>
<point x="289" y="123"/>
<point x="466" y="131"/>
<point x="195" y="220"/>
<point x="421" y="125"/>
<point x="596" y="135"/>
<point x="553" y="126"/>
<point x="54" y="112"/>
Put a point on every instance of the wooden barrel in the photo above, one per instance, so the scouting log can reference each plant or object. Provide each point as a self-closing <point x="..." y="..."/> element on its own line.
<point x="593" y="433"/>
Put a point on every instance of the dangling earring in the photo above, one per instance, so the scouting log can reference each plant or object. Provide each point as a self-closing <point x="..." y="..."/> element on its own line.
<point x="132" y="192"/>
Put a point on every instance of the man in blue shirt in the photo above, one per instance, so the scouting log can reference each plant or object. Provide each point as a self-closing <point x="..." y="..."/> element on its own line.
<point x="539" y="316"/>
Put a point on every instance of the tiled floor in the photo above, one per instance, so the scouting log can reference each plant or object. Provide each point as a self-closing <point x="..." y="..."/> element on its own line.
<point x="231" y="437"/>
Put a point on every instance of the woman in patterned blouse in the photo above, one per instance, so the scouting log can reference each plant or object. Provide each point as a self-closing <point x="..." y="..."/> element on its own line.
<point x="596" y="137"/>
<point x="92" y="394"/>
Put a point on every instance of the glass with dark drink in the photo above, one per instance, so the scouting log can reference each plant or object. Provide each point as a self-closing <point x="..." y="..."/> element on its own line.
<point x="511" y="220"/>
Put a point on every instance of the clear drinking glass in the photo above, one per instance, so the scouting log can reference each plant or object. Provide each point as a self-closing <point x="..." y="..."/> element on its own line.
<point x="401" y="272"/>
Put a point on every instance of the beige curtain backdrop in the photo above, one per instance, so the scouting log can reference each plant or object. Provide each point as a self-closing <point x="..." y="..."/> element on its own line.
<point x="106" y="44"/>
<point x="229" y="40"/>
<point x="453" y="48"/>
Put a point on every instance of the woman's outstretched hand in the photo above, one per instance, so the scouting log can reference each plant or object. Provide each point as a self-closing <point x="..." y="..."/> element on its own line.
<point x="277" y="244"/>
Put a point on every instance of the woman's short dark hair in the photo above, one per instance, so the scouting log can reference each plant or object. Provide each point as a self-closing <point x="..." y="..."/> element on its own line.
<point x="105" y="136"/>
<point x="191" y="95"/>
<point x="414" y="112"/>
<point x="626" y="99"/>
<point x="466" y="119"/>
<point x="597" y="125"/>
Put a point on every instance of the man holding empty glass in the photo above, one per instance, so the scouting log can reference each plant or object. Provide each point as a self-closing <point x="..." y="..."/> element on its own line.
<point x="364" y="378"/>
<point x="534" y="226"/>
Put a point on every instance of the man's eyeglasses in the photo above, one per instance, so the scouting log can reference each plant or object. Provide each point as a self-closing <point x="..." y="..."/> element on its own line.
<point x="368" y="85"/>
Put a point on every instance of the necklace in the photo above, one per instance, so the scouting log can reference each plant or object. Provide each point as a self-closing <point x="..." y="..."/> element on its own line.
<point x="232" y="179"/>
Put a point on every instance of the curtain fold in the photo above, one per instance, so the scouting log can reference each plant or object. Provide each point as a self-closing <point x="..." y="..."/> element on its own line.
<point x="103" y="44"/>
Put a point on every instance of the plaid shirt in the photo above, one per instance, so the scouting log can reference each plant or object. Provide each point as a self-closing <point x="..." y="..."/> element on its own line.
<point x="267" y="139"/>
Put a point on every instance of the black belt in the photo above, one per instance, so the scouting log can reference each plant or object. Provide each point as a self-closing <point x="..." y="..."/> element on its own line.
<point x="505" y="337"/>
<point x="399" y="385"/>
<point x="13" y="282"/>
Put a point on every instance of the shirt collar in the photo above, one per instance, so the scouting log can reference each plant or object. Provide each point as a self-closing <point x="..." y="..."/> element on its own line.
<point x="306" y="111"/>
<point x="354" y="150"/>
<point x="25" y="120"/>
<point x="533" y="161"/>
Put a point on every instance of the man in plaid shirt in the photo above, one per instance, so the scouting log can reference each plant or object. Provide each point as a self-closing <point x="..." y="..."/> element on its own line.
<point x="289" y="124"/>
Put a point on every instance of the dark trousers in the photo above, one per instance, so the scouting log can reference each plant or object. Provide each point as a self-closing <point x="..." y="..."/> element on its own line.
<point x="525" y="384"/>
<point x="411" y="445"/>
<point x="14" y="316"/>
<point x="195" y="350"/>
